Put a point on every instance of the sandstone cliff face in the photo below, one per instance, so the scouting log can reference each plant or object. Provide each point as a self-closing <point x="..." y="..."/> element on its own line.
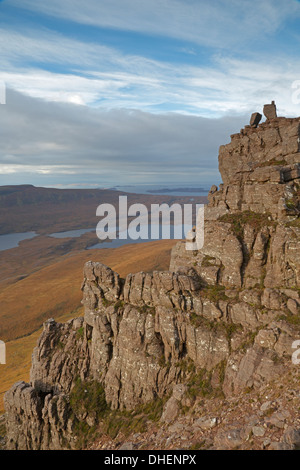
<point x="230" y="310"/>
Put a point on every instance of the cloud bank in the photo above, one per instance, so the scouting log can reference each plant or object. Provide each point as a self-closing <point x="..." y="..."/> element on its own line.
<point x="108" y="146"/>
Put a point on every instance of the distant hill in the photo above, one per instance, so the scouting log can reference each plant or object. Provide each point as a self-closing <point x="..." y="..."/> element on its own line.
<point x="25" y="207"/>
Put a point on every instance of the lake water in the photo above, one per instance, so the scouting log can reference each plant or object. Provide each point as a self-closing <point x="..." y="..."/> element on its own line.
<point x="115" y="243"/>
<point x="184" y="189"/>
<point x="12" y="240"/>
<point x="167" y="189"/>
<point x="72" y="233"/>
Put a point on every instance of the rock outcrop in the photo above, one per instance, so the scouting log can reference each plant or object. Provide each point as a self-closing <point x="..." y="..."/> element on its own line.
<point x="270" y="110"/>
<point x="228" y="313"/>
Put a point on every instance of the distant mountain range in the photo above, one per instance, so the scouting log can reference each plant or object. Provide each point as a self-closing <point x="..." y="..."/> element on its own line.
<point x="181" y="190"/>
<point x="26" y="208"/>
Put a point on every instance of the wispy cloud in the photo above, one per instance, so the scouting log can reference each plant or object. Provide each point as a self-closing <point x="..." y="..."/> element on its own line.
<point x="50" y="47"/>
<point x="52" y="65"/>
<point x="221" y="23"/>
<point x="231" y="86"/>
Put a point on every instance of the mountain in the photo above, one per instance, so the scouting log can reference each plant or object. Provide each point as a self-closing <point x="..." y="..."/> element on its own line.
<point x="200" y="356"/>
<point x="47" y="210"/>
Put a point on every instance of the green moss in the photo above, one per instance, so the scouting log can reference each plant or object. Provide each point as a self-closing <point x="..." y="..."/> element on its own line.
<point x="162" y="361"/>
<point x="88" y="397"/>
<point x="290" y="204"/>
<point x="154" y="409"/>
<point x="231" y="329"/>
<point x="187" y="366"/>
<point x="272" y="162"/>
<point x="146" y="309"/>
<point x="2" y="431"/>
<point x="214" y="293"/>
<point x="197" y="445"/>
<point x="105" y="302"/>
<point x="262" y="278"/>
<point x="249" y="340"/>
<point x="276" y="359"/>
<point x="208" y="261"/>
<point x="199" y="384"/>
<point x="289" y="318"/>
<point x="270" y="411"/>
<point x="222" y="368"/>
<point x="80" y="333"/>
<point x="240" y="219"/>
<point x="135" y="421"/>
<point x="118" y="305"/>
<point x="198" y="321"/>
<point x="125" y="422"/>
<point x="84" y="434"/>
<point x="293" y="203"/>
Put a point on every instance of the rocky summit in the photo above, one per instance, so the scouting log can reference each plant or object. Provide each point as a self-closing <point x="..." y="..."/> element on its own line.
<point x="202" y="356"/>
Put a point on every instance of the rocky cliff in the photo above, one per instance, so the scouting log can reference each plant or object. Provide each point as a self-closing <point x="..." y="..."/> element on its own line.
<point x="208" y="343"/>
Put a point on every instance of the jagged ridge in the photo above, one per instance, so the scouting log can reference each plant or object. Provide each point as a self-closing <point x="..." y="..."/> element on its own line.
<point x="229" y="312"/>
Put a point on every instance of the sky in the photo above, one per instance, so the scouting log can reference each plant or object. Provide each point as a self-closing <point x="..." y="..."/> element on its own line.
<point x="117" y="92"/>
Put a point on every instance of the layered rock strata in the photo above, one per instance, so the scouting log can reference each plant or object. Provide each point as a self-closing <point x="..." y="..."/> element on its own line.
<point x="231" y="309"/>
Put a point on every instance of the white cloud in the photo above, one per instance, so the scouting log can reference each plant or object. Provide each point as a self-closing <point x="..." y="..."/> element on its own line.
<point x="63" y="139"/>
<point x="46" y="46"/>
<point x="234" y="86"/>
<point x="39" y="169"/>
<point x="97" y="75"/>
<point x="221" y="23"/>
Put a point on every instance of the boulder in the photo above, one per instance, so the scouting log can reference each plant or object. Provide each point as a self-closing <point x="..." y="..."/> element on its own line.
<point x="255" y="119"/>
<point x="270" y="110"/>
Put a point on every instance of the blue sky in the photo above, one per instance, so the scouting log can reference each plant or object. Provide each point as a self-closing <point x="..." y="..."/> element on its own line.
<point x="107" y="92"/>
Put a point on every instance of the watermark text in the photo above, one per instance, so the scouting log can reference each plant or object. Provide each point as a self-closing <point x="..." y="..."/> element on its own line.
<point x="2" y="352"/>
<point x="296" y="93"/>
<point x="296" y="354"/>
<point x="2" y="92"/>
<point x="161" y="222"/>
